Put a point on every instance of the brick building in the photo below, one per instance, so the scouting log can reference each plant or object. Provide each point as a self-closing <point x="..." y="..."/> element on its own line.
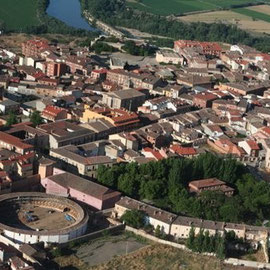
<point x="133" y="80"/>
<point x="207" y="48"/>
<point x="56" y="69"/>
<point x="129" y="99"/>
<point x="54" y="113"/>
<point x="86" y="191"/>
<point x="212" y="184"/>
<point x="204" y="100"/>
<point x="34" y="47"/>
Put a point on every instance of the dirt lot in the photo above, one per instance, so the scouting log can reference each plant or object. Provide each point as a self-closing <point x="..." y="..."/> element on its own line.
<point x="242" y="21"/>
<point x="100" y="251"/>
<point x="110" y="253"/>
<point x="161" y="257"/>
<point x="31" y="217"/>
<point x="103" y="251"/>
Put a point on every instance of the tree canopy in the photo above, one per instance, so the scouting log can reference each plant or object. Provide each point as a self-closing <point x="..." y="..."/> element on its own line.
<point x="134" y="218"/>
<point x="12" y="119"/>
<point x="165" y="183"/>
<point x="35" y="118"/>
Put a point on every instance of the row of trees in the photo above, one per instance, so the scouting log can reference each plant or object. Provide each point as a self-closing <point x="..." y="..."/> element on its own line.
<point x="223" y="246"/>
<point x="204" y="242"/>
<point x="165" y="183"/>
<point x="116" y="13"/>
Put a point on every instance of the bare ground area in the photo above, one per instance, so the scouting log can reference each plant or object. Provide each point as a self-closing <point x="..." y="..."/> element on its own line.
<point x="14" y="41"/>
<point x="138" y="34"/>
<point x="100" y="251"/>
<point x="228" y="16"/>
<point x="162" y="257"/>
<point x="125" y="252"/>
<point x="104" y="251"/>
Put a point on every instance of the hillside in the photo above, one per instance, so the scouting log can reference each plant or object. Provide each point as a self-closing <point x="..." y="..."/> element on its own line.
<point x="18" y="14"/>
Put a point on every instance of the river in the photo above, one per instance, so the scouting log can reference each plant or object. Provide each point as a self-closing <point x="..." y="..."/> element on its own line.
<point x="69" y="12"/>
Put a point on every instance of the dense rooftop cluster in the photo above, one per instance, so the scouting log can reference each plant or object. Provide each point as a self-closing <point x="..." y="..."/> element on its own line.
<point x="70" y="118"/>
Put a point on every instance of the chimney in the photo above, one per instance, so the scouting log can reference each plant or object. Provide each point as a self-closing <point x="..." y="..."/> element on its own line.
<point x="45" y="168"/>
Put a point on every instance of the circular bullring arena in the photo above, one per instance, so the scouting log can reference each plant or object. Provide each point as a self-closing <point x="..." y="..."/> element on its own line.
<point x="32" y="217"/>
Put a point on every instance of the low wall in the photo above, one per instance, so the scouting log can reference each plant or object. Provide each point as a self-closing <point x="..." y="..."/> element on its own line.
<point x="8" y="242"/>
<point x="232" y="261"/>
<point x="257" y="265"/>
<point x="155" y="239"/>
<point x="97" y="234"/>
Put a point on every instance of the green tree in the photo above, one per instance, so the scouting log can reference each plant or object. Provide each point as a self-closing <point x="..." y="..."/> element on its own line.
<point x="134" y="218"/>
<point x="127" y="184"/>
<point x="206" y="242"/>
<point x="198" y="242"/>
<point x="158" y="232"/>
<point x="36" y="119"/>
<point x="221" y="248"/>
<point x="191" y="238"/>
<point x="12" y="119"/>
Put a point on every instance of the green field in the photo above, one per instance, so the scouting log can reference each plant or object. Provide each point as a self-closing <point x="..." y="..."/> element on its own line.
<point x="167" y="7"/>
<point x="18" y="14"/>
<point x="253" y="14"/>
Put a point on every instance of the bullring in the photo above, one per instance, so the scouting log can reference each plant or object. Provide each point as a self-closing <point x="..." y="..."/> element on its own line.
<point x="32" y="217"/>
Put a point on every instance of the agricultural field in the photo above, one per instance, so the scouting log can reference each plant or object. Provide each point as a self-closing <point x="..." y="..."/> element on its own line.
<point x="243" y="21"/>
<point x="18" y="14"/>
<point x="178" y="7"/>
<point x="255" y="15"/>
<point x="261" y="8"/>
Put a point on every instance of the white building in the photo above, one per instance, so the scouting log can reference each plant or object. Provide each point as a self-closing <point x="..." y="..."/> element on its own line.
<point x="168" y="57"/>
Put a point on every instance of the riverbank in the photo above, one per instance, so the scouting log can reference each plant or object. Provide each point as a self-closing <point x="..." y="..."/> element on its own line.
<point x="40" y="23"/>
<point x="69" y="12"/>
<point x="110" y="30"/>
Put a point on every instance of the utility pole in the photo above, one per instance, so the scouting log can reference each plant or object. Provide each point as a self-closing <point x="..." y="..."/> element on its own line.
<point x="127" y="247"/>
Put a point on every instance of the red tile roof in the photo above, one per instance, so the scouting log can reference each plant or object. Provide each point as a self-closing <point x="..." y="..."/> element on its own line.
<point x="253" y="145"/>
<point x="266" y="130"/>
<point x="183" y="151"/>
<point x="9" y="139"/>
<point x="206" y="183"/>
<point x="155" y="153"/>
<point x="52" y="110"/>
<point x="206" y="96"/>
<point x="101" y="71"/>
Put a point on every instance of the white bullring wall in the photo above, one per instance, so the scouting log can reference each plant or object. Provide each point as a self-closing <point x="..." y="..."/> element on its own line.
<point x="61" y="235"/>
<point x="32" y="239"/>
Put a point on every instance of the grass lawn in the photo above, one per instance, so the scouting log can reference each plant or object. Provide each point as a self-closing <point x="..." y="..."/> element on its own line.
<point x="253" y="14"/>
<point x="18" y="14"/>
<point x="167" y="7"/>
